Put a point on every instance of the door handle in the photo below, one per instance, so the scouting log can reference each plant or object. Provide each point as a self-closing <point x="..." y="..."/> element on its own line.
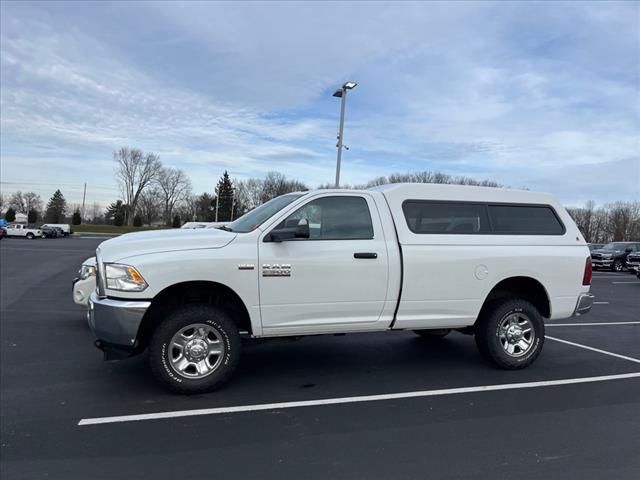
<point x="365" y="255"/>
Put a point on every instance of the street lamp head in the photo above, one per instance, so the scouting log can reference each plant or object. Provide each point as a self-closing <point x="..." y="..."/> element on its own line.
<point x="349" y="85"/>
<point x="338" y="93"/>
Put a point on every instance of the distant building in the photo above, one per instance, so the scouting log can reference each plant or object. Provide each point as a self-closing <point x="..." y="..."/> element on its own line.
<point x="20" y="218"/>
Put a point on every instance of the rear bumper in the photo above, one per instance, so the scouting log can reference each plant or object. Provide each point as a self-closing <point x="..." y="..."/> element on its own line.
<point x="585" y="302"/>
<point x="116" y="323"/>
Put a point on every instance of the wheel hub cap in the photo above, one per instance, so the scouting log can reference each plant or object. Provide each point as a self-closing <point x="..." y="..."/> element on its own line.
<point x="196" y="350"/>
<point x="514" y="333"/>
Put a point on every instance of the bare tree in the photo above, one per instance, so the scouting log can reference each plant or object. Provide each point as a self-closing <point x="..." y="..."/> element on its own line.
<point x="276" y="184"/>
<point x="26" y="202"/>
<point x="150" y="205"/>
<point x="16" y="201"/>
<point x="248" y="194"/>
<point x="134" y="172"/>
<point x="174" y="186"/>
<point x="95" y="212"/>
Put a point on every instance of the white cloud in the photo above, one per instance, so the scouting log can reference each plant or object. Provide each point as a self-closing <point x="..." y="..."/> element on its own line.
<point x="516" y="92"/>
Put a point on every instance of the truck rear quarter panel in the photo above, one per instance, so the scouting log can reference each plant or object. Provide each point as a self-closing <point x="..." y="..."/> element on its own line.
<point x="447" y="277"/>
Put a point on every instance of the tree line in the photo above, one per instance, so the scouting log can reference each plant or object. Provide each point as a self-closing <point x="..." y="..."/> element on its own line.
<point x="153" y="194"/>
<point x="31" y="204"/>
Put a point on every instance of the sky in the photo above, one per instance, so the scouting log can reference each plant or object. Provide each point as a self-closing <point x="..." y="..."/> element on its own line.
<point x="544" y="96"/>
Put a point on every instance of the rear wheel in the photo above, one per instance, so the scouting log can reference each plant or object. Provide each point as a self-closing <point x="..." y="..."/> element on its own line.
<point x="617" y="266"/>
<point x="510" y="334"/>
<point x="195" y="350"/>
<point x="30" y="236"/>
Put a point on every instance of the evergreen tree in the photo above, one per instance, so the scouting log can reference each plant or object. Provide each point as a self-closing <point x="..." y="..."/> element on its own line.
<point x="76" y="219"/>
<point x="32" y="216"/>
<point x="176" y="221"/>
<point x="224" y="191"/>
<point x="117" y="213"/>
<point x="137" y="221"/>
<point x="56" y="208"/>
<point x="205" y="208"/>
<point x="10" y="215"/>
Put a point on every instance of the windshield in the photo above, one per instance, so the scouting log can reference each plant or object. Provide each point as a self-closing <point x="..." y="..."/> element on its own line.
<point x="615" y="246"/>
<point x="256" y="217"/>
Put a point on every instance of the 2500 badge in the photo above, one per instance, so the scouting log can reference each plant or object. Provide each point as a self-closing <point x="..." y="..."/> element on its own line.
<point x="276" y="270"/>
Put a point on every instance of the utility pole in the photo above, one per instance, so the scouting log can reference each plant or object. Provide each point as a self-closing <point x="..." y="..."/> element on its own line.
<point x="217" y="199"/>
<point x="341" y="93"/>
<point x="84" y="196"/>
<point x="233" y="198"/>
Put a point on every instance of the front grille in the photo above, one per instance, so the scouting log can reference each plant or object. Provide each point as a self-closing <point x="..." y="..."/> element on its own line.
<point x="596" y="256"/>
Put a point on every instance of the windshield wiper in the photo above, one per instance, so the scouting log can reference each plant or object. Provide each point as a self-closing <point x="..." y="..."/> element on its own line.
<point x="225" y="228"/>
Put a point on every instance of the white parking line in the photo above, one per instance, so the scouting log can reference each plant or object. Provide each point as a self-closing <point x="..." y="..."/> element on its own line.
<point x="586" y="347"/>
<point x="343" y="400"/>
<point x="618" y="283"/>
<point x="589" y="324"/>
<point x="601" y="303"/>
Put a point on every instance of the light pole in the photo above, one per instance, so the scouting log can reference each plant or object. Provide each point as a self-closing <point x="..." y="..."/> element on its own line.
<point x="341" y="93"/>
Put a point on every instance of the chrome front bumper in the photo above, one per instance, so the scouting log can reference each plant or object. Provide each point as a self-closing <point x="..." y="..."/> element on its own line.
<point x="116" y="322"/>
<point x="585" y="302"/>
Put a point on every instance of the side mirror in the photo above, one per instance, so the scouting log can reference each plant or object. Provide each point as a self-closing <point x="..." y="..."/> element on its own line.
<point x="289" y="233"/>
<point x="628" y="250"/>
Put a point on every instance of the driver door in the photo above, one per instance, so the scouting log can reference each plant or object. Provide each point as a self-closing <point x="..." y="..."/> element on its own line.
<point x="335" y="280"/>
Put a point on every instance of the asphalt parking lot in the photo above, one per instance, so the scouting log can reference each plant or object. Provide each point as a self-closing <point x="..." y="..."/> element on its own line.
<point x="53" y="378"/>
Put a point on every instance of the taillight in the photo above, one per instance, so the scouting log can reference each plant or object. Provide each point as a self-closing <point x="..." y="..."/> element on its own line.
<point x="588" y="272"/>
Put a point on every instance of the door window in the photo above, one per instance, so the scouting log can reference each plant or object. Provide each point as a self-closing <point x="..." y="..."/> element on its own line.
<point x="334" y="218"/>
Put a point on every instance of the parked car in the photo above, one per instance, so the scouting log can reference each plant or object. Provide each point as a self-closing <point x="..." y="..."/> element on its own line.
<point x="49" y="232"/>
<point x="613" y="255"/>
<point x="3" y="232"/>
<point x="595" y="246"/>
<point x="382" y="259"/>
<point x="19" y="230"/>
<point x="85" y="283"/>
<point x="195" y="225"/>
<point x="633" y="261"/>
<point x="65" y="227"/>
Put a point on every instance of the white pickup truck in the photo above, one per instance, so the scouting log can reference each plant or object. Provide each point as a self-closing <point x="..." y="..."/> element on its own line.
<point x="490" y="262"/>
<point x="19" y="230"/>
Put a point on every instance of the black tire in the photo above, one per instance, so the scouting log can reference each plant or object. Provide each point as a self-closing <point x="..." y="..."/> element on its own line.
<point x="617" y="266"/>
<point x="30" y="236"/>
<point x="433" y="334"/>
<point x="159" y="352"/>
<point x="488" y="332"/>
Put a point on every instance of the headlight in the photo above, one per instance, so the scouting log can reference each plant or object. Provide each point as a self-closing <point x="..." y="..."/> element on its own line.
<point x="87" y="271"/>
<point x="124" y="277"/>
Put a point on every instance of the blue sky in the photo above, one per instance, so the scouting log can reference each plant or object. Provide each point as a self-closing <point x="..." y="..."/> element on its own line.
<point x="538" y="95"/>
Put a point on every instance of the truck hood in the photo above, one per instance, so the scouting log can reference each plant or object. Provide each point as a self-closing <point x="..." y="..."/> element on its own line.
<point x="142" y="243"/>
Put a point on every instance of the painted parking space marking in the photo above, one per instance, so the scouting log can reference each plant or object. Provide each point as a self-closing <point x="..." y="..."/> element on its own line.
<point x="589" y="324"/>
<point x="601" y="303"/>
<point x="633" y="281"/>
<point x="347" y="400"/>
<point x="593" y="349"/>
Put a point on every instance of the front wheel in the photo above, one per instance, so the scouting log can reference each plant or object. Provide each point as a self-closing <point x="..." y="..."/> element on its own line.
<point x="617" y="266"/>
<point x="195" y="350"/>
<point x="30" y="236"/>
<point x="510" y="334"/>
